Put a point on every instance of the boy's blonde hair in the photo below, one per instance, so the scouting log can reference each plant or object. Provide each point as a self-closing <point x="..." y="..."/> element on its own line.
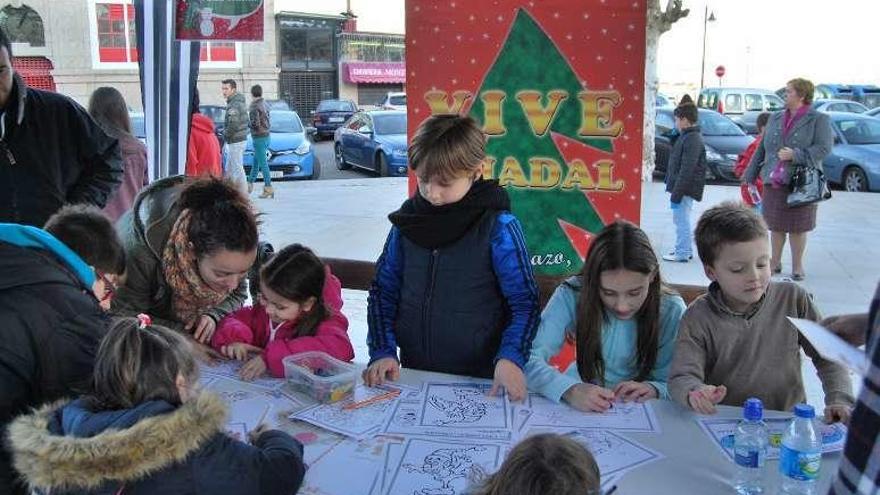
<point x="726" y="223"/>
<point x="447" y="146"/>
<point x="542" y="464"/>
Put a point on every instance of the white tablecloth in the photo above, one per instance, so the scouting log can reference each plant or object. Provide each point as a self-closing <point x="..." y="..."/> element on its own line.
<point x="692" y="463"/>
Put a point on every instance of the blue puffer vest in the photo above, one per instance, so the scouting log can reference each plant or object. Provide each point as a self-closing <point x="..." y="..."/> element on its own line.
<point x="452" y="312"/>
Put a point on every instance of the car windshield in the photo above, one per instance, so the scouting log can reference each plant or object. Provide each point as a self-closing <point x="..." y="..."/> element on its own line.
<point x="138" y="128"/>
<point x="861" y="131"/>
<point x="285" y="122"/>
<point x="713" y="124"/>
<point x="397" y="100"/>
<point x="335" y="106"/>
<point x="390" y="124"/>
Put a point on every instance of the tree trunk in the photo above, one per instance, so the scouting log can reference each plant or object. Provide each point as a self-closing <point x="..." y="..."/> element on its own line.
<point x="652" y="40"/>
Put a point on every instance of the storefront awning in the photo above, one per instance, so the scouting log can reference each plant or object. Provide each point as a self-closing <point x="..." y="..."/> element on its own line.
<point x="375" y="72"/>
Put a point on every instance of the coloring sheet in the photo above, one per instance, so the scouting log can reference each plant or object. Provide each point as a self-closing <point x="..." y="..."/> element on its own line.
<point x="237" y="430"/>
<point x="614" y="454"/>
<point x="249" y="402"/>
<point x="629" y="416"/>
<point x="454" y="410"/>
<point x="229" y="369"/>
<point x="721" y="431"/>
<point x="393" y="454"/>
<point x="356" y="423"/>
<point x="432" y="467"/>
<point x="350" y="467"/>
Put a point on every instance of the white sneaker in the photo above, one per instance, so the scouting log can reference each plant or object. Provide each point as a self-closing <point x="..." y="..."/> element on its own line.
<point x="671" y="256"/>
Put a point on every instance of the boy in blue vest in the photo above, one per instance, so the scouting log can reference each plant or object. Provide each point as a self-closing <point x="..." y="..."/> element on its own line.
<point x="454" y="288"/>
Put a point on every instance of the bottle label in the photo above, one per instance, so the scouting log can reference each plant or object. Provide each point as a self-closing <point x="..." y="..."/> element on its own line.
<point x="801" y="466"/>
<point x="750" y="458"/>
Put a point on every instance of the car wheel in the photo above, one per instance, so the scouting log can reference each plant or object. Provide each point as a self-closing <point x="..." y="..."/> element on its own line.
<point x="382" y="164"/>
<point x="855" y="180"/>
<point x="340" y="160"/>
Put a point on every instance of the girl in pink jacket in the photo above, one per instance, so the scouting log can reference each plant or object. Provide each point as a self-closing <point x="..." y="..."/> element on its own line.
<point x="298" y="311"/>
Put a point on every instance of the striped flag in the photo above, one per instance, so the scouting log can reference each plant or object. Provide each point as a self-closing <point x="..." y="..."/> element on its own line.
<point x="168" y="70"/>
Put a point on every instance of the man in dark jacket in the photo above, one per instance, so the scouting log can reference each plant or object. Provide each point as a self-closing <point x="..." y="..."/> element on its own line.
<point x="685" y="179"/>
<point x="51" y="324"/>
<point x="51" y="151"/>
<point x="235" y="133"/>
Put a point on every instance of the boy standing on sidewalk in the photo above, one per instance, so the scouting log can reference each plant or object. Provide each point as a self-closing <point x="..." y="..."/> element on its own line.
<point x="685" y="179"/>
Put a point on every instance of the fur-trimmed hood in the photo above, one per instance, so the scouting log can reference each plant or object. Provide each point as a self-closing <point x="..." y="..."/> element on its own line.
<point x="51" y="461"/>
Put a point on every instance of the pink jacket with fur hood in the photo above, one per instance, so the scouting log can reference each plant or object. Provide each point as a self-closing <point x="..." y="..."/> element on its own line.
<point x="251" y="325"/>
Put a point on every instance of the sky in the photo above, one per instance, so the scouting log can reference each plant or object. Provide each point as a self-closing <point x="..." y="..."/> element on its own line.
<point x="761" y="43"/>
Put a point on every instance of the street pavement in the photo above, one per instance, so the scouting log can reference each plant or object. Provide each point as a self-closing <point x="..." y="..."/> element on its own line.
<point x="348" y="219"/>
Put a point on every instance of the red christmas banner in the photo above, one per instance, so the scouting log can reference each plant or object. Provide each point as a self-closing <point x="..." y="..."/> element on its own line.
<point x="226" y="20"/>
<point x="557" y="87"/>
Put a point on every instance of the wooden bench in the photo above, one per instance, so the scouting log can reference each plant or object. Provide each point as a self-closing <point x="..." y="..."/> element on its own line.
<point x="358" y="275"/>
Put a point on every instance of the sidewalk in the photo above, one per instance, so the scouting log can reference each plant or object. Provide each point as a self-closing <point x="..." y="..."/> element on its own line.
<point x="348" y="219"/>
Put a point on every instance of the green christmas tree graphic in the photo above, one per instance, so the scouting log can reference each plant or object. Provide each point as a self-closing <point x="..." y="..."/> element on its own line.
<point x="529" y="60"/>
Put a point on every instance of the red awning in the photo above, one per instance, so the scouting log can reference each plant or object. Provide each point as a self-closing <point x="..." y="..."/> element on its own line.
<point x="375" y="72"/>
<point x="36" y="72"/>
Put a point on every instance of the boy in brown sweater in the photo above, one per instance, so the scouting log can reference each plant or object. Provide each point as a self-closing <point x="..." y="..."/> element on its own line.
<point x="735" y="341"/>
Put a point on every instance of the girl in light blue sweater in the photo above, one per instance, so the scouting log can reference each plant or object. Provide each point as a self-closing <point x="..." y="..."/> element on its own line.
<point x="622" y="320"/>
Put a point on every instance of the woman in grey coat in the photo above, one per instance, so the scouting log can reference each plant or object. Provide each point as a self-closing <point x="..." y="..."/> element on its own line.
<point x="798" y="136"/>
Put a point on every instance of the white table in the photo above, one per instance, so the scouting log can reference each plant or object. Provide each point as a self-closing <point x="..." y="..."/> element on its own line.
<point x="692" y="463"/>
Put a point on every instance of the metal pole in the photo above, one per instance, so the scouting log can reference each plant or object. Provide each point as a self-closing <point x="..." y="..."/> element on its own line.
<point x="703" y="65"/>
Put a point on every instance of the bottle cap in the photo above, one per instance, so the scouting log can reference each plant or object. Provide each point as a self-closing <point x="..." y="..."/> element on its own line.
<point x="753" y="409"/>
<point x="804" y="411"/>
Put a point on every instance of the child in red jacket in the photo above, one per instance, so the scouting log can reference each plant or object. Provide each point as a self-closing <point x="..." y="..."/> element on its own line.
<point x="742" y="163"/>
<point x="298" y="311"/>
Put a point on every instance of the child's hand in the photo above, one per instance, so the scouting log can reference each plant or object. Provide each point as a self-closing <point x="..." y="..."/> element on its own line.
<point x="511" y="377"/>
<point x="202" y="328"/>
<point x="637" y="391"/>
<point x="376" y="373"/>
<point x="589" y="398"/>
<point x="254" y="434"/>
<point x="239" y="350"/>
<point x="252" y="369"/>
<point x="703" y="399"/>
<point x="837" y="413"/>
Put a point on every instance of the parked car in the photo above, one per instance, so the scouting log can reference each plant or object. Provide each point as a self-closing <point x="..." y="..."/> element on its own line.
<point x="138" y="126"/>
<point x="839" y="106"/>
<point x="875" y="112"/>
<point x="724" y="141"/>
<point x="393" y="101"/>
<point x="279" y="105"/>
<point x="331" y="114"/>
<point x="664" y="101"/>
<point x="742" y="105"/>
<point x="290" y="153"/>
<point x="374" y="140"/>
<point x="854" y="161"/>
<point x="217" y="113"/>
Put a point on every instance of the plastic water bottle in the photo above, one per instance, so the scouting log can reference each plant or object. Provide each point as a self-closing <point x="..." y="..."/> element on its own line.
<point x="800" y="458"/>
<point x="750" y="449"/>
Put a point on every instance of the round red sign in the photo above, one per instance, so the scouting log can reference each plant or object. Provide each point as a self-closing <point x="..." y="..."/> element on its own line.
<point x="719" y="71"/>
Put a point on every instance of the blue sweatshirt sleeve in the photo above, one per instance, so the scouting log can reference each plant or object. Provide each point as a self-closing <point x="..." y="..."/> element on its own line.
<point x="558" y="317"/>
<point x="671" y="311"/>
<point x="510" y="259"/>
<point x="383" y="299"/>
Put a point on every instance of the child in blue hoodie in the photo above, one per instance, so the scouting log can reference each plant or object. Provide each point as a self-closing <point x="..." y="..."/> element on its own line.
<point x="146" y="429"/>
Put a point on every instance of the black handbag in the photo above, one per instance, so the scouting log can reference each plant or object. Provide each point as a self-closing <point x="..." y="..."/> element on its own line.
<point x="808" y="186"/>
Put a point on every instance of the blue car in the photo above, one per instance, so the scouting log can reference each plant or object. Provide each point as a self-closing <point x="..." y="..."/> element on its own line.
<point x="854" y="162"/>
<point x="374" y="140"/>
<point x="290" y="151"/>
<point x="330" y="115"/>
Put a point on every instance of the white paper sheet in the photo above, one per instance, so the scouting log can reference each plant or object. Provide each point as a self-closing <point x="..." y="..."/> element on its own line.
<point x="454" y="410"/>
<point x="350" y="467"/>
<point x="429" y="466"/>
<point x="250" y="402"/>
<point x="721" y="431"/>
<point x="356" y="423"/>
<point x="615" y="454"/>
<point x="630" y="416"/>
<point x="831" y="346"/>
<point x="229" y="370"/>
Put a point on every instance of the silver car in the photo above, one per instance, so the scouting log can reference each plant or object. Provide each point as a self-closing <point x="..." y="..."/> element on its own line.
<point x="741" y="105"/>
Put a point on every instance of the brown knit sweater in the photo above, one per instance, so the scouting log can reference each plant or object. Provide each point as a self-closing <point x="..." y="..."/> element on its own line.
<point x="753" y="355"/>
